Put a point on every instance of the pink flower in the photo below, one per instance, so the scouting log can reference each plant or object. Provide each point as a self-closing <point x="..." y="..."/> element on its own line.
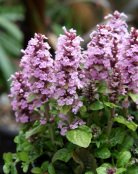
<point x="125" y="104"/>
<point x="129" y="62"/>
<point x="130" y="118"/>
<point x="106" y="59"/>
<point x="38" y="65"/>
<point x="19" y="93"/>
<point x="65" y="126"/>
<point x="43" y="121"/>
<point x="67" y="65"/>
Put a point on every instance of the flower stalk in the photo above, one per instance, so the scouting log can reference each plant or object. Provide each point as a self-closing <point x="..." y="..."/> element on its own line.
<point x="89" y="119"/>
<point x="50" y="126"/>
<point x="47" y="114"/>
<point x="69" y="115"/>
<point x="124" y="112"/>
<point x="110" y="123"/>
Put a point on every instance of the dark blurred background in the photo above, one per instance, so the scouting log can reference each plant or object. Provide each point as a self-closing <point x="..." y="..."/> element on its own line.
<point x="20" y="19"/>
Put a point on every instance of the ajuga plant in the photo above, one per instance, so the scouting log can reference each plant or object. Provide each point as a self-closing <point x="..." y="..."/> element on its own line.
<point x="78" y="111"/>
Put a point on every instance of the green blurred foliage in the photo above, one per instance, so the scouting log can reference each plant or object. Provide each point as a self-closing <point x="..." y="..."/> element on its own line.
<point x="10" y="40"/>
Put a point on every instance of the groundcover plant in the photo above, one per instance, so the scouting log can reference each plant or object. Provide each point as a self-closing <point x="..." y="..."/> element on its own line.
<point x="78" y="109"/>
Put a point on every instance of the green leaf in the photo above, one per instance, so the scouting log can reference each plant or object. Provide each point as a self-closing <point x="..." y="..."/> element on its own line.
<point x="123" y="158"/>
<point x="89" y="173"/>
<point x="79" y="170"/>
<point x="120" y="170"/>
<point x="66" y="86"/>
<point x="130" y="124"/>
<point x="13" y="169"/>
<point x="16" y="139"/>
<point x="97" y="143"/>
<point x="11" y="28"/>
<point x="133" y="96"/>
<point x="83" y="110"/>
<point x="134" y="134"/>
<point x="111" y="105"/>
<point x="62" y="168"/>
<point x="70" y="146"/>
<point x="65" y="109"/>
<point x="5" y="64"/>
<point x="80" y="136"/>
<point x="27" y="146"/>
<point x="106" y="165"/>
<point x="32" y="97"/>
<point x="109" y="91"/>
<point x="127" y="144"/>
<point x="6" y="168"/>
<point x="24" y="156"/>
<point x="36" y="170"/>
<point x="115" y="153"/>
<point x="10" y="44"/>
<point x="25" y="167"/>
<point x="44" y="166"/>
<point x="101" y="170"/>
<point x="117" y="136"/>
<point x="51" y="169"/>
<point x="37" y="129"/>
<point x="85" y="159"/>
<point x="132" y="170"/>
<point x="97" y="105"/>
<point x="32" y="79"/>
<point x="102" y="138"/>
<point x="13" y="16"/>
<point x="102" y="87"/>
<point x="62" y="154"/>
<point x="7" y="157"/>
<point x="55" y="112"/>
<point x="102" y="153"/>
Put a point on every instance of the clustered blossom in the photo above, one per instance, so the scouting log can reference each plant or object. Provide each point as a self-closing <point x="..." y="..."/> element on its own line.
<point x="111" y="56"/>
<point x="65" y="126"/>
<point x="101" y="58"/>
<point x="129" y="62"/>
<point x="114" y="82"/>
<point x="125" y="103"/>
<point x="19" y="93"/>
<point x="99" y="53"/>
<point x="39" y="67"/>
<point x="69" y="74"/>
<point x="118" y="25"/>
<point x="110" y="170"/>
<point x="90" y="92"/>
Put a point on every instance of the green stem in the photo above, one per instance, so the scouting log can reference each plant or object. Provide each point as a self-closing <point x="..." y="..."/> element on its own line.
<point x="69" y="115"/>
<point x="32" y="160"/>
<point x="112" y="112"/>
<point x="47" y="114"/>
<point x="109" y="126"/>
<point x="51" y="133"/>
<point x="89" y="120"/>
<point x="125" y="112"/>
<point x="110" y="123"/>
<point x="113" y="162"/>
<point x="50" y="126"/>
